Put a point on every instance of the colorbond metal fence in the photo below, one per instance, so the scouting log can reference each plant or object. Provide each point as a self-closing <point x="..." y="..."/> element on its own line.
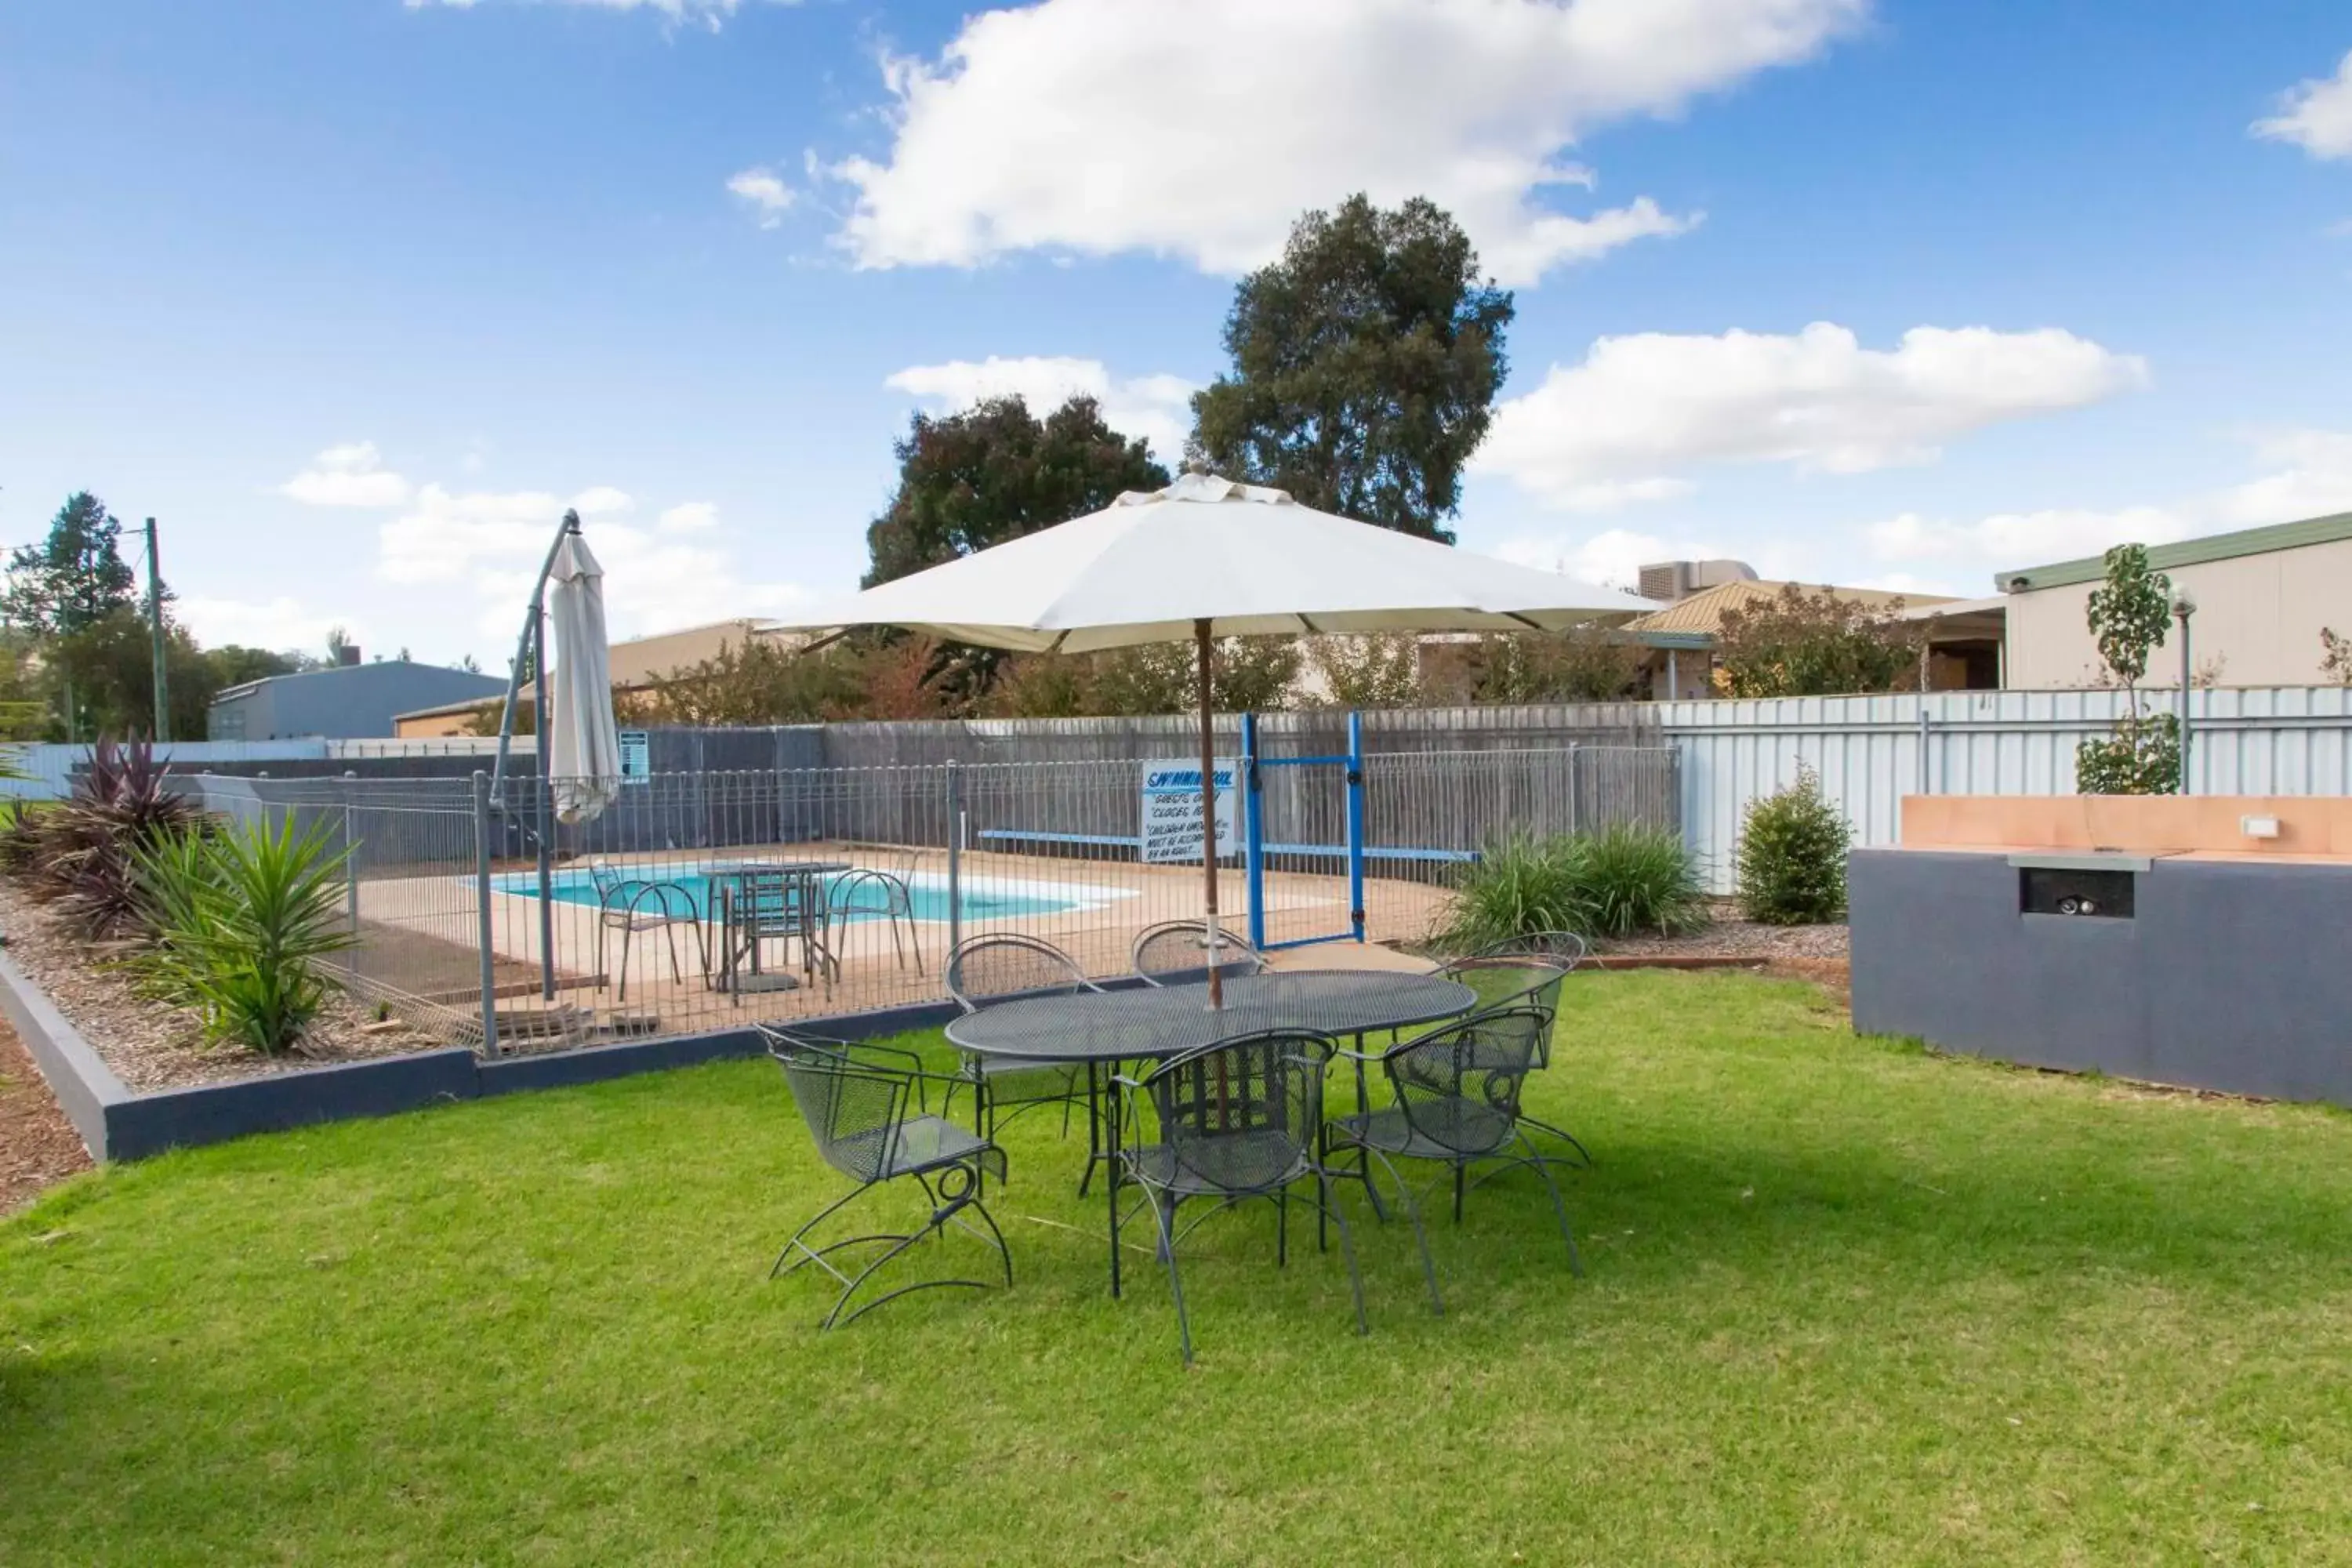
<point x="1870" y="751"/>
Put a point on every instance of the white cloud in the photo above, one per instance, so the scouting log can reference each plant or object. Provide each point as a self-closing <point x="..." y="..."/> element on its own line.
<point x="2313" y="478"/>
<point x="689" y="517"/>
<point x="1156" y="407"/>
<point x="279" y="624"/>
<point x="768" y="196"/>
<point x="2310" y="475"/>
<point x="2008" y="539"/>
<point x="349" y="475"/>
<point x="447" y="537"/>
<point x="2316" y="115"/>
<point x="1623" y="425"/>
<point x="679" y="571"/>
<point x="1201" y="129"/>
<point x="1613" y="557"/>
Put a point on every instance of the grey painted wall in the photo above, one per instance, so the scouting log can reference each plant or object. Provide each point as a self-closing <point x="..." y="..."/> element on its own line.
<point x="2231" y="976"/>
<point x="350" y="702"/>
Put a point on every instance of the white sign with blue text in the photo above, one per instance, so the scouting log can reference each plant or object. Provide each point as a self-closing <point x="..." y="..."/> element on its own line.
<point x="636" y="756"/>
<point x="1171" y="811"/>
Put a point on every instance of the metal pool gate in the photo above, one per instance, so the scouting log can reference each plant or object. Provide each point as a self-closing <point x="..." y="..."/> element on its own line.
<point x="1295" y="808"/>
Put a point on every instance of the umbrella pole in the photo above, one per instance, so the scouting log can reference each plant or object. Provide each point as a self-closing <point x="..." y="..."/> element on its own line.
<point x="1205" y="646"/>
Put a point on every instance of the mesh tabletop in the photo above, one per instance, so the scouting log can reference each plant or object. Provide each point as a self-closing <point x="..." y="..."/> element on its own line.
<point x="1146" y="1023"/>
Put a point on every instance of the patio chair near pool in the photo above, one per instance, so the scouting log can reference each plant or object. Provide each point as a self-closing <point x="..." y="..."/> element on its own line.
<point x="1176" y="952"/>
<point x="1454" y="1097"/>
<point x="1230" y="1122"/>
<point x="864" y="1106"/>
<point x="1528" y="970"/>
<point x="630" y="905"/>
<point x="1006" y="966"/>
<point x="871" y="893"/>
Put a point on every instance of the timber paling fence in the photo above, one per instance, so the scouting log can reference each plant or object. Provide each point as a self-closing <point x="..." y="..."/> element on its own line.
<point x="707" y="899"/>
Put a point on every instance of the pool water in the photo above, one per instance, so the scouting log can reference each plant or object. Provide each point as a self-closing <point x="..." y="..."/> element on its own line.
<point x="984" y="897"/>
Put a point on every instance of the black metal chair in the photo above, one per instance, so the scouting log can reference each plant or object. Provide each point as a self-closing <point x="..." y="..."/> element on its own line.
<point x="1006" y="966"/>
<point x="1176" y="952"/>
<point x="633" y="904"/>
<point x="871" y="894"/>
<point x="1528" y="970"/>
<point x="863" y="1104"/>
<point x="1238" y="1120"/>
<point x="1455" y="1098"/>
<point x="783" y="903"/>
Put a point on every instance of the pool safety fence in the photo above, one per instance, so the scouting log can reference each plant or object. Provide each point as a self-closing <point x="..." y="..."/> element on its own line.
<point x="711" y="899"/>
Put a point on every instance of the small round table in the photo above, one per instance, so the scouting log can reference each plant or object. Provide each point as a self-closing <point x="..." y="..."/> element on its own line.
<point x="1101" y="1029"/>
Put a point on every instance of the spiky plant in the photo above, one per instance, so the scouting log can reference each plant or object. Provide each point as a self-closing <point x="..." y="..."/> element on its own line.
<point x="86" y="855"/>
<point x="241" y="920"/>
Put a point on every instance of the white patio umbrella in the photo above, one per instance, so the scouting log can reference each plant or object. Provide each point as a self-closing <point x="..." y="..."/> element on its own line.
<point x="1207" y="558"/>
<point x="584" y="755"/>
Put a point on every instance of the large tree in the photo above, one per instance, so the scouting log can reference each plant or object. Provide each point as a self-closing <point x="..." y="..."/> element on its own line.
<point x="991" y="473"/>
<point x="108" y="667"/>
<point x="1365" y="366"/>
<point x="75" y="577"/>
<point x="996" y="471"/>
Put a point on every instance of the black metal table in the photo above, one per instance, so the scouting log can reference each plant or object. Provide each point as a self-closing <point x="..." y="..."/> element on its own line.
<point x="1103" y="1029"/>
<point x="737" y="886"/>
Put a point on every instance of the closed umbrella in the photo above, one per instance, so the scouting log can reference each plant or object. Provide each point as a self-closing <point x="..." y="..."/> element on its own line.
<point x="584" y="755"/>
<point x="1207" y="558"/>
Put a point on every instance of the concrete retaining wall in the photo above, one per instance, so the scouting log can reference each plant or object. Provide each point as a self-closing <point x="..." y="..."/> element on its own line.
<point x="117" y="1122"/>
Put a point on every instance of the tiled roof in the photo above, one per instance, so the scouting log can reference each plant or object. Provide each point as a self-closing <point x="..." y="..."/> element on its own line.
<point x="1704" y="611"/>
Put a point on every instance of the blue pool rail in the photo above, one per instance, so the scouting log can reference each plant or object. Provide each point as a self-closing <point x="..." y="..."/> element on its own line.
<point x="1128" y="841"/>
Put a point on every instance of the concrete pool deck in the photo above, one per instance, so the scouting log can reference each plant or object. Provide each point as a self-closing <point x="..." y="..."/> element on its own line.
<point x="1118" y="899"/>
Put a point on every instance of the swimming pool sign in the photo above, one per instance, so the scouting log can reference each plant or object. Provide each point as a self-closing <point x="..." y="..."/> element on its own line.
<point x="636" y="756"/>
<point x="1171" y="811"/>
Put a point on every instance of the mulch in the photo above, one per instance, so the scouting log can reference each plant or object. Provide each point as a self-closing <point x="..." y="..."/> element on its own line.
<point x="1815" y="953"/>
<point x="37" y="1144"/>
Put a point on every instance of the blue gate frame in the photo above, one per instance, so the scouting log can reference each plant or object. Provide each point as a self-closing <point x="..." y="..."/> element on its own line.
<point x="1254" y="849"/>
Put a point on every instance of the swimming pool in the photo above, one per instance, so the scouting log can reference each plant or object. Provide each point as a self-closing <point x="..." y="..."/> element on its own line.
<point x="983" y="897"/>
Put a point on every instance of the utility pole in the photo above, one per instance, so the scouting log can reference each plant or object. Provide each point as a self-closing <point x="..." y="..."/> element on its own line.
<point x="162" y="725"/>
<point x="163" y="683"/>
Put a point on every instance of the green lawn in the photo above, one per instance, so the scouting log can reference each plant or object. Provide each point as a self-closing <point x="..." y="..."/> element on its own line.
<point x="1844" y="1301"/>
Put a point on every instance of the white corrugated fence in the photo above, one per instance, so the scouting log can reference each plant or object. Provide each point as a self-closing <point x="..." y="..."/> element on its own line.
<point x="1870" y="751"/>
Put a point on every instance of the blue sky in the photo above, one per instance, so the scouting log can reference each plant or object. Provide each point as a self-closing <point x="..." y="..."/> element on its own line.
<point x="355" y="295"/>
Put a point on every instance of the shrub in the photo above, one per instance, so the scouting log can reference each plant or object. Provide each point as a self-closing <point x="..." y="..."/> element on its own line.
<point x="85" y="854"/>
<point x="241" y="918"/>
<point x="1792" y="849"/>
<point x="1613" y="883"/>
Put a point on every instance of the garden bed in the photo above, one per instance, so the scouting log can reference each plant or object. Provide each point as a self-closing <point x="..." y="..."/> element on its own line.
<point x="149" y="1045"/>
<point x="1728" y="936"/>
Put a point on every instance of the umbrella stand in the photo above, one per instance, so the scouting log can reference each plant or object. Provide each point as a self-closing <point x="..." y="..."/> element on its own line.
<point x="1206" y="647"/>
<point x="533" y="643"/>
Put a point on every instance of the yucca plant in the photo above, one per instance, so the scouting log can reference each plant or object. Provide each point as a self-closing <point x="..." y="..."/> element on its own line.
<point x="1618" y="882"/>
<point x="242" y="919"/>
<point x="87" y="850"/>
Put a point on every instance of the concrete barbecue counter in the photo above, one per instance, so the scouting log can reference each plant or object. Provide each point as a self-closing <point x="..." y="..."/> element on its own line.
<point x="2201" y="940"/>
